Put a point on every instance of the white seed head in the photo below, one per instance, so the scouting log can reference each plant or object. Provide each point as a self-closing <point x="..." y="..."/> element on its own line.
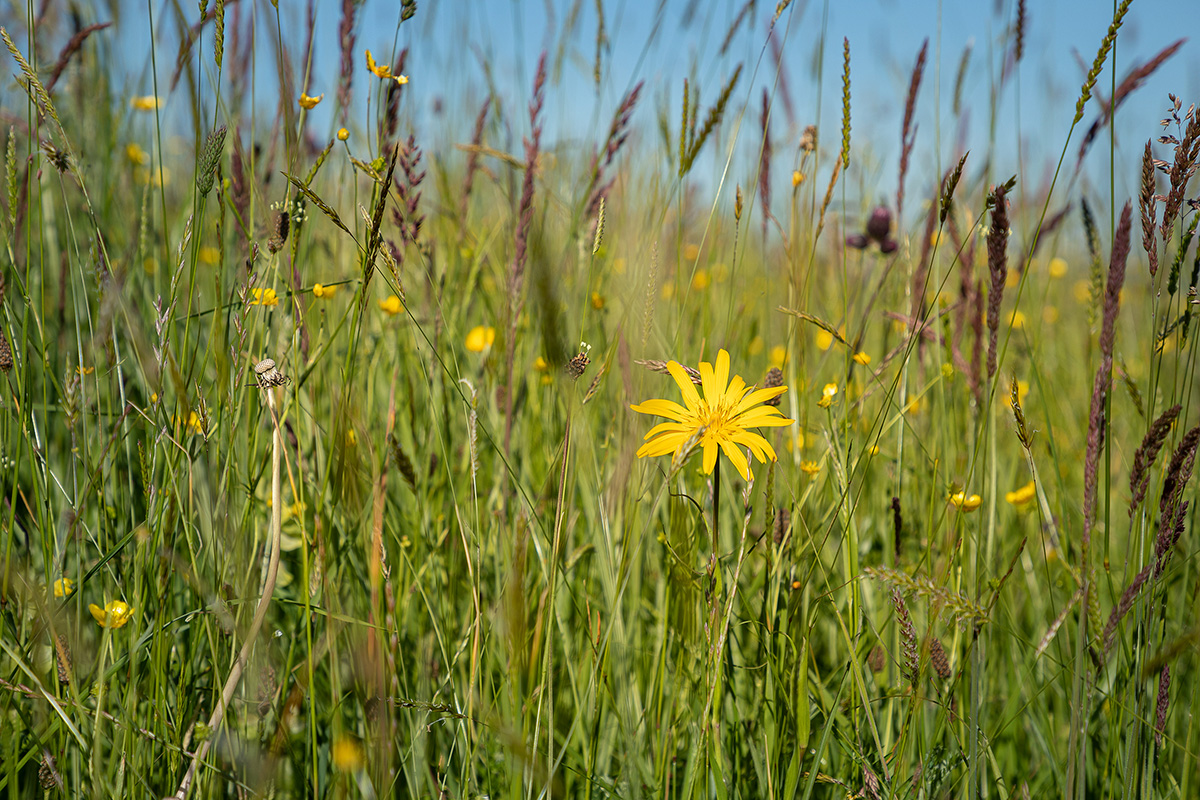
<point x="265" y="366"/>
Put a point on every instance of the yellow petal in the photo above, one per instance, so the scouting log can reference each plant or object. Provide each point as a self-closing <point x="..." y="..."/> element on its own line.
<point x="710" y="455"/>
<point x="663" y="408"/>
<point x="738" y="459"/>
<point x="690" y="395"/>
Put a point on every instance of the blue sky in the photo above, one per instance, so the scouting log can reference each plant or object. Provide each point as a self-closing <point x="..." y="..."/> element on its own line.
<point x="660" y="42"/>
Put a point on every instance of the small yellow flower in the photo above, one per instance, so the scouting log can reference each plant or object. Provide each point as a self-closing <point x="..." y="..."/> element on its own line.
<point x="756" y="346"/>
<point x="64" y="587"/>
<point x="343" y="134"/>
<point x="323" y="292"/>
<point x="861" y="358"/>
<point x="154" y="397"/>
<point x="1017" y="319"/>
<point x="827" y="394"/>
<point x="84" y="371"/>
<point x="1012" y="279"/>
<point x="114" y="614"/>
<point x="691" y="252"/>
<point x="873" y="450"/>
<point x="797" y="178"/>
<point x="346" y="754"/>
<point x="392" y="305"/>
<point x="701" y="280"/>
<point x="480" y="338"/>
<point x="147" y="103"/>
<point x="824" y="339"/>
<point x="136" y="155"/>
<point x="263" y="297"/>
<point x="947" y="370"/>
<point x="779" y="356"/>
<point x="1021" y="497"/>
<point x="351" y="437"/>
<point x="935" y="238"/>
<point x="913" y="406"/>
<point x="1082" y="291"/>
<point x="380" y="70"/>
<point x="1058" y="267"/>
<point x="540" y="364"/>
<point x="210" y="255"/>
<point x="967" y="503"/>
<point x="400" y="79"/>
<point x="667" y="291"/>
<point x="597" y="301"/>
<point x="194" y="422"/>
<point x="309" y="103"/>
<point x="810" y="468"/>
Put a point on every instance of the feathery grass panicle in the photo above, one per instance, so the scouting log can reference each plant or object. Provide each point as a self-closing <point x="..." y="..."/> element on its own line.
<point x="949" y="184"/>
<point x="846" y="102"/>
<point x="660" y="367"/>
<point x="908" y="638"/>
<point x="1097" y="422"/>
<point x="1160" y="704"/>
<point x="960" y="77"/>
<point x="408" y="190"/>
<point x="1131" y="83"/>
<point x="1014" y="399"/>
<point x="1096" y="268"/>
<point x="1128" y="597"/>
<point x="958" y="605"/>
<point x="997" y="244"/>
<point x="908" y="132"/>
<point x="598" y="239"/>
<point x="1147" y="454"/>
<point x="1085" y="91"/>
<point x="618" y="132"/>
<point x="1179" y="472"/>
<point x="742" y="15"/>
<point x="473" y="159"/>
<point x="346" y="38"/>
<point x="1182" y="169"/>
<point x="70" y="49"/>
<point x="696" y="140"/>
<point x="1022" y="23"/>
<point x="210" y="156"/>
<point x="1181" y="251"/>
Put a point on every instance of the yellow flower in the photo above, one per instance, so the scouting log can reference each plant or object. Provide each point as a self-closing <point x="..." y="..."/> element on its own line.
<point x="861" y="358"/>
<point x="392" y="305"/>
<point x="309" y="103"/>
<point x="136" y="155"/>
<point x="146" y="103"/>
<point x="1021" y="497"/>
<point x="346" y="754"/>
<point x="382" y="70"/>
<point x="480" y="338"/>
<point x="779" y="356"/>
<point x="154" y="397"/>
<point x="824" y="339"/>
<point x="701" y="280"/>
<point x="343" y="134"/>
<point x="597" y="301"/>
<point x="1058" y="267"/>
<point x="210" y="255"/>
<point x="756" y="346"/>
<point x="323" y="292"/>
<point x="195" y="423"/>
<point x="722" y="417"/>
<point x="967" y="503"/>
<point x="64" y="587"/>
<point x="691" y="252"/>
<point x="263" y="297"/>
<point x="810" y="468"/>
<point x="797" y="178"/>
<point x="400" y="79"/>
<point x="1082" y="290"/>
<point x="83" y="371"/>
<point x="913" y="406"/>
<point x="827" y="394"/>
<point x="540" y="364"/>
<point x="114" y="614"/>
<point x="1017" y="319"/>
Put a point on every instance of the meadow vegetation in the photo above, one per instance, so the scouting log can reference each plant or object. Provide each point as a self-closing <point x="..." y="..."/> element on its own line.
<point x="322" y="474"/>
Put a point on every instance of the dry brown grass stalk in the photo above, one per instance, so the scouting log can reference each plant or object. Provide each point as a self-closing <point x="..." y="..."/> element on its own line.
<point x="997" y="244"/>
<point x="908" y="133"/>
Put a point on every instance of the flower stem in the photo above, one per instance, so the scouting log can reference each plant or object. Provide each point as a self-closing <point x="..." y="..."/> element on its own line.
<point x="260" y="613"/>
<point x="716" y="506"/>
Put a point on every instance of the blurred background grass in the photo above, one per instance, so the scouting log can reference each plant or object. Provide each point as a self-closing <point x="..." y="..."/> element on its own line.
<point x="482" y="590"/>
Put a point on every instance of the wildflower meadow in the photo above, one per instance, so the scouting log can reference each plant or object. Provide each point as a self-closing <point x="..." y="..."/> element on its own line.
<point x="599" y="399"/>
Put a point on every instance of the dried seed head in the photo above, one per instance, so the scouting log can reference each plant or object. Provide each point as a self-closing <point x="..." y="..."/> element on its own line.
<point x="279" y="238"/>
<point x="937" y="655"/>
<point x="63" y="652"/>
<point x="6" y="359"/>
<point x="808" y="139"/>
<point x="773" y="380"/>
<point x="269" y="375"/>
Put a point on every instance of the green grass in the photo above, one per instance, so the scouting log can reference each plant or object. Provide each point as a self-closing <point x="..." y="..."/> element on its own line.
<point x="457" y="616"/>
